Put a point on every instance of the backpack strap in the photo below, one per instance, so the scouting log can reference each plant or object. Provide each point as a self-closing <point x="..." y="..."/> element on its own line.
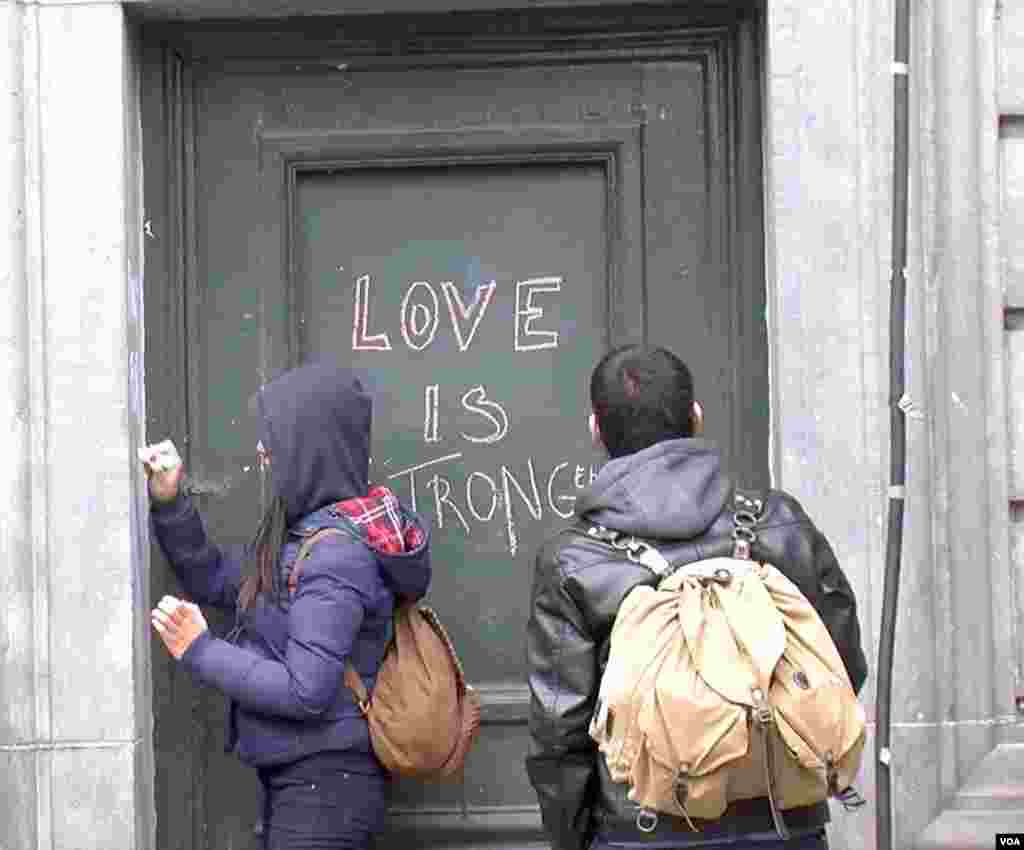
<point x="749" y="497"/>
<point x="353" y="681"/>
<point x="638" y="551"/>
<point x="763" y="720"/>
<point x="747" y="508"/>
<point x="304" y="550"/>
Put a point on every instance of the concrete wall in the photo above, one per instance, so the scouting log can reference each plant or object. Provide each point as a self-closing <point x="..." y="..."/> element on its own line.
<point x="1011" y="142"/>
<point x="74" y="719"/>
<point x="828" y="103"/>
<point x="829" y="175"/>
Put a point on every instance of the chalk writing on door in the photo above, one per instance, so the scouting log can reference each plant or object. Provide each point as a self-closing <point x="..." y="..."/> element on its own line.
<point x="460" y="498"/>
<point x="419" y="315"/>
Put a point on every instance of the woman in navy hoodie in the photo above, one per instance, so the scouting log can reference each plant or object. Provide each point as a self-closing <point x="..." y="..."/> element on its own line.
<point x="281" y="667"/>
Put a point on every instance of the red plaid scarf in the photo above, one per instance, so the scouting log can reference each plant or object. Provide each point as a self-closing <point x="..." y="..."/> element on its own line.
<point x="378" y="512"/>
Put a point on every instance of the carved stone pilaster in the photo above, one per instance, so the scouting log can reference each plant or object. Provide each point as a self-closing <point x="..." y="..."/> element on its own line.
<point x="74" y="719"/>
<point x="829" y="153"/>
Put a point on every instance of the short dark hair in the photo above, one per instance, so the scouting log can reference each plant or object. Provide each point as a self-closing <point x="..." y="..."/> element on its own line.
<point x="641" y="395"/>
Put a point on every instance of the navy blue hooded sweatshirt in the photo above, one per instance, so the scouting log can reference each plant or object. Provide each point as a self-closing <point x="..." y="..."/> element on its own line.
<point x="282" y="668"/>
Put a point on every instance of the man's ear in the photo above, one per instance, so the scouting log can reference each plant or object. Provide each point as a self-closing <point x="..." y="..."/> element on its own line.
<point x="697" y="419"/>
<point x="595" y="431"/>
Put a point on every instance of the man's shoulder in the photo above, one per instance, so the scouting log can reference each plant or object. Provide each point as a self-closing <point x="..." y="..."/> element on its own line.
<point x="569" y="548"/>
<point x="551" y="548"/>
<point x="782" y="508"/>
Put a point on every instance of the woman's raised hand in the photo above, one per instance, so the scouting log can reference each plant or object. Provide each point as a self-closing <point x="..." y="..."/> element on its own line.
<point x="178" y="623"/>
<point x="164" y="469"/>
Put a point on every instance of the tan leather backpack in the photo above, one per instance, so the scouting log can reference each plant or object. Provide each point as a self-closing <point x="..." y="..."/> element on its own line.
<point x="723" y="684"/>
<point x="422" y="715"/>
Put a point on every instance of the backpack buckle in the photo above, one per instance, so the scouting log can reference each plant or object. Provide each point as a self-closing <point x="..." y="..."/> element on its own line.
<point x="605" y="535"/>
<point x="743" y="537"/>
<point x="636" y="551"/>
<point x="744" y="521"/>
<point x="646" y="820"/>
<point x="831" y="774"/>
<point x="629" y="545"/>
<point x="646" y="555"/>
<point x="851" y="799"/>
<point x="680" y="787"/>
<point x="762" y="710"/>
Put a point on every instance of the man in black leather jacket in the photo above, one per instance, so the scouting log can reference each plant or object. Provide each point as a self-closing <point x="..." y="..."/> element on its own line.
<point x="662" y="484"/>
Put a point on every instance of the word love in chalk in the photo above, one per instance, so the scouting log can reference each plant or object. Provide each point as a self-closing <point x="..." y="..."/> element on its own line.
<point x="420" y="315"/>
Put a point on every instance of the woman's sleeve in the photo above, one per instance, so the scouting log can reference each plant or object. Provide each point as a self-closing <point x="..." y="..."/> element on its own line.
<point x="210" y="574"/>
<point x="326" y="614"/>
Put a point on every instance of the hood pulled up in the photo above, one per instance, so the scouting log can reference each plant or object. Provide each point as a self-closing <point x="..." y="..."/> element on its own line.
<point x="315" y="423"/>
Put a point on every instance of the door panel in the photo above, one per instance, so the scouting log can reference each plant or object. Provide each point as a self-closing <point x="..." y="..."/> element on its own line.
<point x="471" y="234"/>
<point x="429" y="264"/>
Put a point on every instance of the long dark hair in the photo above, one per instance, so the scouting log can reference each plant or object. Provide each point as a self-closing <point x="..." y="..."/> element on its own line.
<point x="261" y="561"/>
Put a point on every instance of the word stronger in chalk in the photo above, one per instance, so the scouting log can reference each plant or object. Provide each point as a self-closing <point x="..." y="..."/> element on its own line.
<point x="460" y="495"/>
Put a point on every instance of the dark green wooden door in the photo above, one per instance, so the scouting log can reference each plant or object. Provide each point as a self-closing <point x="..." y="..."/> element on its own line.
<point x="469" y="211"/>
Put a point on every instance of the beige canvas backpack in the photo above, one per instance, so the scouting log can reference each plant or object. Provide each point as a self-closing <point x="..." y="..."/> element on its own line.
<point x="723" y="684"/>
